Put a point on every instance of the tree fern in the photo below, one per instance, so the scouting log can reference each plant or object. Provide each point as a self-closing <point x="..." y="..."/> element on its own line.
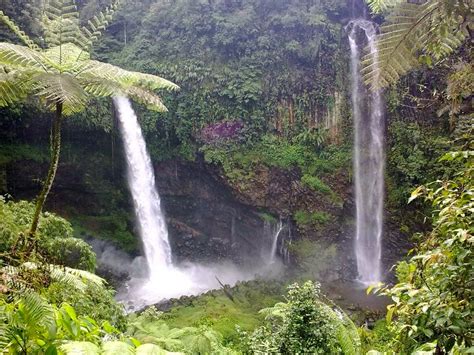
<point x="64" y="77"/>
<point x="429" y="31"/>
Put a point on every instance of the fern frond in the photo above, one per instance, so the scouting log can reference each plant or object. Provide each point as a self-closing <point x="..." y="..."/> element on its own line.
<point x="15" y="56"/>
<point x="117" y="347"/>
<point x="35" y="311"/>
<point x="61" y="88"/>
<point x="98" y="24"/>
<point x="75" y="278"/>
<point x="378" y="6"/>
<point x="147" y="98"/>
<point x="127" y="78"/>
<point x="13" y="87"/>
<point x="152" y="349"/>
<point x="80" y="348"/>
<point x="16" y="30"/>
<point x="61" y="23"/>
<point x="411" y="30"/>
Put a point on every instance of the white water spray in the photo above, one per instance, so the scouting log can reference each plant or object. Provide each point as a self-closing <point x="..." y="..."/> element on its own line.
<point x="368" y="161"/>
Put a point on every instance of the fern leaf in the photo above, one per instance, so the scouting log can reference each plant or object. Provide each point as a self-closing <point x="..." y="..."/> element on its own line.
<point x="61" y="23"/>
<point x="117" y="347"/>
<point x="61" y="88"/>
<point x="12" y="87"/>
<point x="36" y="310"/>
<point x="80" y="348"/>
<point x="15" y="56"/>
<point x="127" y="78"/>
<point x="98" y="24"/>
<point x="152" y="349"/>
<point x="146" y="97"/>
<point x="378" y="6"/>
<point x="412" y="29"/>
<point x="16" y="30"/>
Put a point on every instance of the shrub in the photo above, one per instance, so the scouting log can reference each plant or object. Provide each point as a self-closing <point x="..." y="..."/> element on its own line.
<point x="305" y="325"/>
<point x="316" y="184"/>
<point x="54" y="237"/>
<point x="307" y="219"/>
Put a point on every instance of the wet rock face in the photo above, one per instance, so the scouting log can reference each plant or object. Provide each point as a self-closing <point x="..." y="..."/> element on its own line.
<point x="205" y="221"/>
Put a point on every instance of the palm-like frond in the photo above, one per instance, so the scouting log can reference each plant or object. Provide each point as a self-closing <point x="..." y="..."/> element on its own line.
<point x="377" y="6"/>
<point x="74" y="278"/>
<point x="61" y="22"/>
<point x="80" y="348"/>
<point x="64" y="73"/>
<point x="98" y="23"/>
<point x="146" y="97"/>
<point x="15" y="56"/>
<point x="16" y="30"/>
<point x="411" y="30"/>
<point x="61" y="89"/>
<point x="34" y="311"/>
<point x="12" y="87"/>
<point x="117" y="347"/>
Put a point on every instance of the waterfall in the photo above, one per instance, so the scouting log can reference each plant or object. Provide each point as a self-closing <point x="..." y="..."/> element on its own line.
<point x="141" y="182"/>
<point x="271" y="232"/>
<point x="163" y="280"/>
<point x="368" y="159"/>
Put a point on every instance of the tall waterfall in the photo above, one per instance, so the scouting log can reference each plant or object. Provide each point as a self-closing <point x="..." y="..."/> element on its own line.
<point x="141" y="181"/>
<point x="368" y="159"/>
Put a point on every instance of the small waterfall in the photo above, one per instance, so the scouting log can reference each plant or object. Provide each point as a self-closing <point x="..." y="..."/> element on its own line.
<point x="368" y="159"/>
<point x="271" y="232"/>
<point x="141" y="181"/>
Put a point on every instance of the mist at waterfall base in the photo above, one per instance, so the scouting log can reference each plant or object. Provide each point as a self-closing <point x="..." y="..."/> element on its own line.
<point x="154" y="277"/>
<point x="368" y="158"/>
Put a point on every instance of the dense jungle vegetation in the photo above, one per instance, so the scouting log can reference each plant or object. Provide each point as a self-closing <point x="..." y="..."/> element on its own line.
<point x="257" y="95"/>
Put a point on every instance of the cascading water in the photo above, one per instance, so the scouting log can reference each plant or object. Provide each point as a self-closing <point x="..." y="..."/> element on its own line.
<point x="271" y="231"/>
<point x="368" y="159"/>
<point x="141" y="181"/>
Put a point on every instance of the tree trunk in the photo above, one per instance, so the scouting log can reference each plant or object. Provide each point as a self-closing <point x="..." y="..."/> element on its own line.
<point x="53" y="166"/>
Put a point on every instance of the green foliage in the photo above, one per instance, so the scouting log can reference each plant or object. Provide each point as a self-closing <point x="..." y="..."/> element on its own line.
<point x="316" y="184"/>
<point x="12" y="152"/>
<point x="433" y="299"/>
<point x="311" y="219"/>
<point x="189" y="340"/>
<point x="304" y="324"/>
<point x="314" y="259"/>
<point x="55" y="241"/>
<point x="271" y="66"/>
<point x="216" y="310"/>
<point x="240" y="162"/>
<point x="29" y="324"/>
<point x="413" y="158"/>
<point x="58" y="284"/>
<point x="414" y="34"/>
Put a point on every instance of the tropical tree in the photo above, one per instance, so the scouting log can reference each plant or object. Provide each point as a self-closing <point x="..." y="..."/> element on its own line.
<point x="415" y="34"/>
<point x="62" y="76"/>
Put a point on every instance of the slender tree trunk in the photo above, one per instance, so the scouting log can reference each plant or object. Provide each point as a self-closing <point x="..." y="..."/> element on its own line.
<point x="53" y="166"/>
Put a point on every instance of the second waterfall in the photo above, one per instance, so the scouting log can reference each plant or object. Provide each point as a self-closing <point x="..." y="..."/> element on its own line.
<point x="368" y="158"/>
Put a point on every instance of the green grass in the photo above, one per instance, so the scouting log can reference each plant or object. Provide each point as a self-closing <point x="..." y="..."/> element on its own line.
<point x="317" y="218"/>
<point x="216" y="310"/>
<point x="316" y="184"/>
